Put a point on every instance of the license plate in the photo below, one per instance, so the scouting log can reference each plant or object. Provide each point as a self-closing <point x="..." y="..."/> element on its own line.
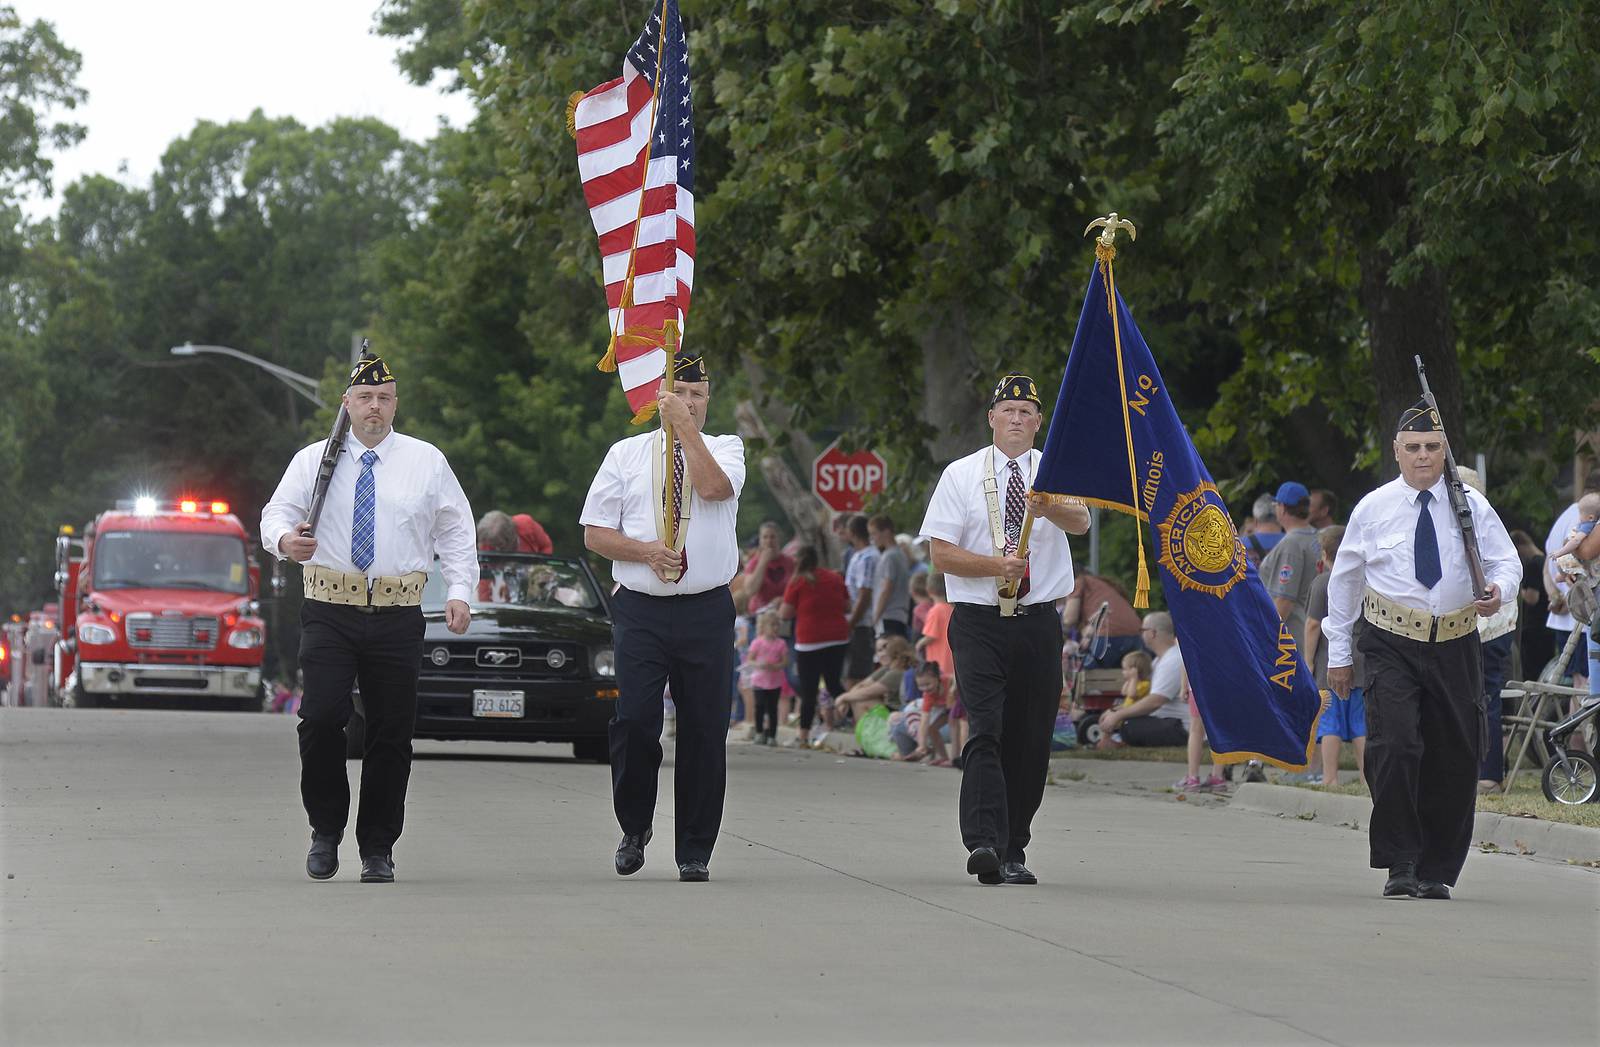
<point x="497" y="703"/>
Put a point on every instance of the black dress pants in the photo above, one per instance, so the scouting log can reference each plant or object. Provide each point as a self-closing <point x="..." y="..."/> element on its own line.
<point x="810" y="669"/>
<point x="381" y="649"/>
<point x="1425" y="728"/>
<point x="1009" y="674"/>
<point x="686" y="641"/>
<point x="1496" y="664"/>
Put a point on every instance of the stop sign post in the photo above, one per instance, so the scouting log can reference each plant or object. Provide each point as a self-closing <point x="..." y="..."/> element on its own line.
<point x="844" y="479"/>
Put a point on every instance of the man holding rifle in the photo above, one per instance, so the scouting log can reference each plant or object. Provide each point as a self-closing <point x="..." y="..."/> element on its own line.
<point x="1410" y="565"/>
<point x="1004" y="571"/>
<point x="392" y="505"/>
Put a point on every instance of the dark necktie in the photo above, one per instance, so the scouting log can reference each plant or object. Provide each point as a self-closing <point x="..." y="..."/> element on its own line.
<point x="1016" y="508"/>
<point x="677" y="501"/>
<point x="363" y="527"/>
<point x="1426" y="546"/>
<point x="1016" y="498"/>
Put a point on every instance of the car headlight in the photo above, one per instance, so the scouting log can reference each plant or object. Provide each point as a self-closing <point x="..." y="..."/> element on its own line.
<point x="440" y="656"/>
<point x="94" y="632"/>
<point x="248" y="637"/>
<point x="605" y="662"/>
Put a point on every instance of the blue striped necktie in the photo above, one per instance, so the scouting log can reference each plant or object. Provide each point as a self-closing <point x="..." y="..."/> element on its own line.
<point x="1426" y="544"/>
<point x="363" y="526"/>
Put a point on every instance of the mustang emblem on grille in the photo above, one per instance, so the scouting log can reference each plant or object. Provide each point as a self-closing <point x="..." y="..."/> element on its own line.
<point x="499" y="656"/>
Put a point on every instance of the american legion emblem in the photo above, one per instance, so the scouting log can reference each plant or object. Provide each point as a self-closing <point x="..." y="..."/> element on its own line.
<point x="1198" y="543"/>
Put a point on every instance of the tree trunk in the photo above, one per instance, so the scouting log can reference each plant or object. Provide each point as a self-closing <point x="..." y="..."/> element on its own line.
<point x="1408" y="321"/>
<point x="807" y="514"/>
<point x="952" y="387"/>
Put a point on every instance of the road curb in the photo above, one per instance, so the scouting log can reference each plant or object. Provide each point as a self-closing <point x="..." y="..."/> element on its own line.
<point x="1490" y="831"/>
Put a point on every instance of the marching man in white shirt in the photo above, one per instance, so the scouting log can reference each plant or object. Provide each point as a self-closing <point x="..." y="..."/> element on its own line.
<point x="392" y="504"/>
<point x="1403" y="567"/>
<point x="672" y="616"/>
<point x="1007" y="647"/>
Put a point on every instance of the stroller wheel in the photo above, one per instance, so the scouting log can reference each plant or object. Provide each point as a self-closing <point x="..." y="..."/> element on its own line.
<point x="1573" y="779"/>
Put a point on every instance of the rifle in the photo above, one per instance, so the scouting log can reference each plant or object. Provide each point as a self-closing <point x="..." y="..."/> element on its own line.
<point x="1458" y="495"/>
<point x="330" y="459"/>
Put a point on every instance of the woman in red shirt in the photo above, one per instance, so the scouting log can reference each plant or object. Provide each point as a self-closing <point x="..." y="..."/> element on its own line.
<point x="816" y="599"/>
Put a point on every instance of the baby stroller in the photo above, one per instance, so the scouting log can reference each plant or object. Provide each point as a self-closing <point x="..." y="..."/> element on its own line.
<point x="1571" y="776"/>
<point x="1093" y="691"/>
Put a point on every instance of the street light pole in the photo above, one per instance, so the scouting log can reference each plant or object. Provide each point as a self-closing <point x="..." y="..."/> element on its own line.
<point x="306" y="387"/>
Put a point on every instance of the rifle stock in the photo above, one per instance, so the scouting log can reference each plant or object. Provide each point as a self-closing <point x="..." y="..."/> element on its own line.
<point x="1458" y="496"/>
<point x="330" y="462"/>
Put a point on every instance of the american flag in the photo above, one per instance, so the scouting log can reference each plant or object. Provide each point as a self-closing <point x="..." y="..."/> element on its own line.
<point x="636" y="158"/>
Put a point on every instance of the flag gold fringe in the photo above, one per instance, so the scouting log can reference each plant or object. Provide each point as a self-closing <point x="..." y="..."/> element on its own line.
<point x="644" y="414"/>
<point x="1083" y="500"/>
<point x="572" y="113"/>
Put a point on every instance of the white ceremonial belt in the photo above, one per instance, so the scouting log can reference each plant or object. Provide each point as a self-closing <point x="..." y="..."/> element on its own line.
<point x="1384" y="613"/>
<point x="350" y="589"/>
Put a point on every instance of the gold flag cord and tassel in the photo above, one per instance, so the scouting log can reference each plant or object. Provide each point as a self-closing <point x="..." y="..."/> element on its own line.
<point x="1105" y="250"/>
<point x="1105" y="253"/>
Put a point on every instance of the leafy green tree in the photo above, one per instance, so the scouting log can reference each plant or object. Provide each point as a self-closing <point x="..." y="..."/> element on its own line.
<point x="879" y="237"/>
<point x="1378" y="180"/>
<point x="38" y="75"/>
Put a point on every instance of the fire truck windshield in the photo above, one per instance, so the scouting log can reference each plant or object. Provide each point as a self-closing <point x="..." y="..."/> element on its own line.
<point x="170" y="560"/>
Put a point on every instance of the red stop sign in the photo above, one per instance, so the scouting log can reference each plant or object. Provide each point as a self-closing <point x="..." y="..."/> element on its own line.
<point x="844" y="479"/>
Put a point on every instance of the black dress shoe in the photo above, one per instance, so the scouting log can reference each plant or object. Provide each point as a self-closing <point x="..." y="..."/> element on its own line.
<point x="693" y="872"/>
<point x="322" y="861"/>
<point x="983" y="860"/>
<point x="630" y="853"/>
<point x="1433" y="889"/>
<point x="1016" y="872"/>
<point x="991" y="879"/>
<point x="377" y="868"/>
<point x="1402" y="881"/>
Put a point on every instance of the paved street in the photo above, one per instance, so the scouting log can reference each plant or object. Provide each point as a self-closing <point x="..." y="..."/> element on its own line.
<point x="155" y="893"/>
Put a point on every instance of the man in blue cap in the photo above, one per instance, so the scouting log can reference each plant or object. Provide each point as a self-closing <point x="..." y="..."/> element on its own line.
<point x="1288" y="569"/>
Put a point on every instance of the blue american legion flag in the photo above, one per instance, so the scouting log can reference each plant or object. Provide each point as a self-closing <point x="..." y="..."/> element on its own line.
<point x="636" y="159"/>
<point x="1116" y="441"/>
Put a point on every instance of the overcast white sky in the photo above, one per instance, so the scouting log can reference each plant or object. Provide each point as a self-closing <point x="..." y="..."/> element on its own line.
<point x="154" y="67"/>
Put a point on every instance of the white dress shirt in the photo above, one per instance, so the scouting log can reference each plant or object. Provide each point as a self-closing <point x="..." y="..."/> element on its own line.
<point x="421" y="511"/>
<point x="622" y="496"/>
<point x="1553" y="541"/>
<point x="959" y="514"/>
<point x="1378" y="551"/>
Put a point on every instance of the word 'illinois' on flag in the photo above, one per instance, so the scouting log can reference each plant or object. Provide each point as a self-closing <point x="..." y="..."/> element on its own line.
<point x="636" y="159"/>
<point x="1116" y="441"/>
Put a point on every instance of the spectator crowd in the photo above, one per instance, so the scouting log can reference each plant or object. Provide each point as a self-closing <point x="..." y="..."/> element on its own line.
<point x="828" y="646"/>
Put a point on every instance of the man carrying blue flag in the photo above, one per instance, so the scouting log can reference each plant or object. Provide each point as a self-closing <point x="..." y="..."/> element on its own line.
<point x="1116" y="441"/>
<point x="1007" y="646"/>
<point x="1403" y="567"/>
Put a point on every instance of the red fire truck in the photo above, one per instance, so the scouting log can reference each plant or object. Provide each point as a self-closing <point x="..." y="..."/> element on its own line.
<point x="159" y="600"/>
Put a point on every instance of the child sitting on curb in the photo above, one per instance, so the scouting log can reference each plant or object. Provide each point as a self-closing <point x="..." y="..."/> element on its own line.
<point x="934" y="688"/>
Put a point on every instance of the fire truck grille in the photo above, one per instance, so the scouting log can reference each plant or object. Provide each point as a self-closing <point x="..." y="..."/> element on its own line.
<point x="169" y="631"/>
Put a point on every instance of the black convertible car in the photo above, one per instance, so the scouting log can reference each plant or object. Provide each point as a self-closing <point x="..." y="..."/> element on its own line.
<point x="536" y="665"/>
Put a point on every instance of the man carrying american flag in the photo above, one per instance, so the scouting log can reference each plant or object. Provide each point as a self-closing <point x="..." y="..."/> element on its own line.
<point x="664" y="504"/>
